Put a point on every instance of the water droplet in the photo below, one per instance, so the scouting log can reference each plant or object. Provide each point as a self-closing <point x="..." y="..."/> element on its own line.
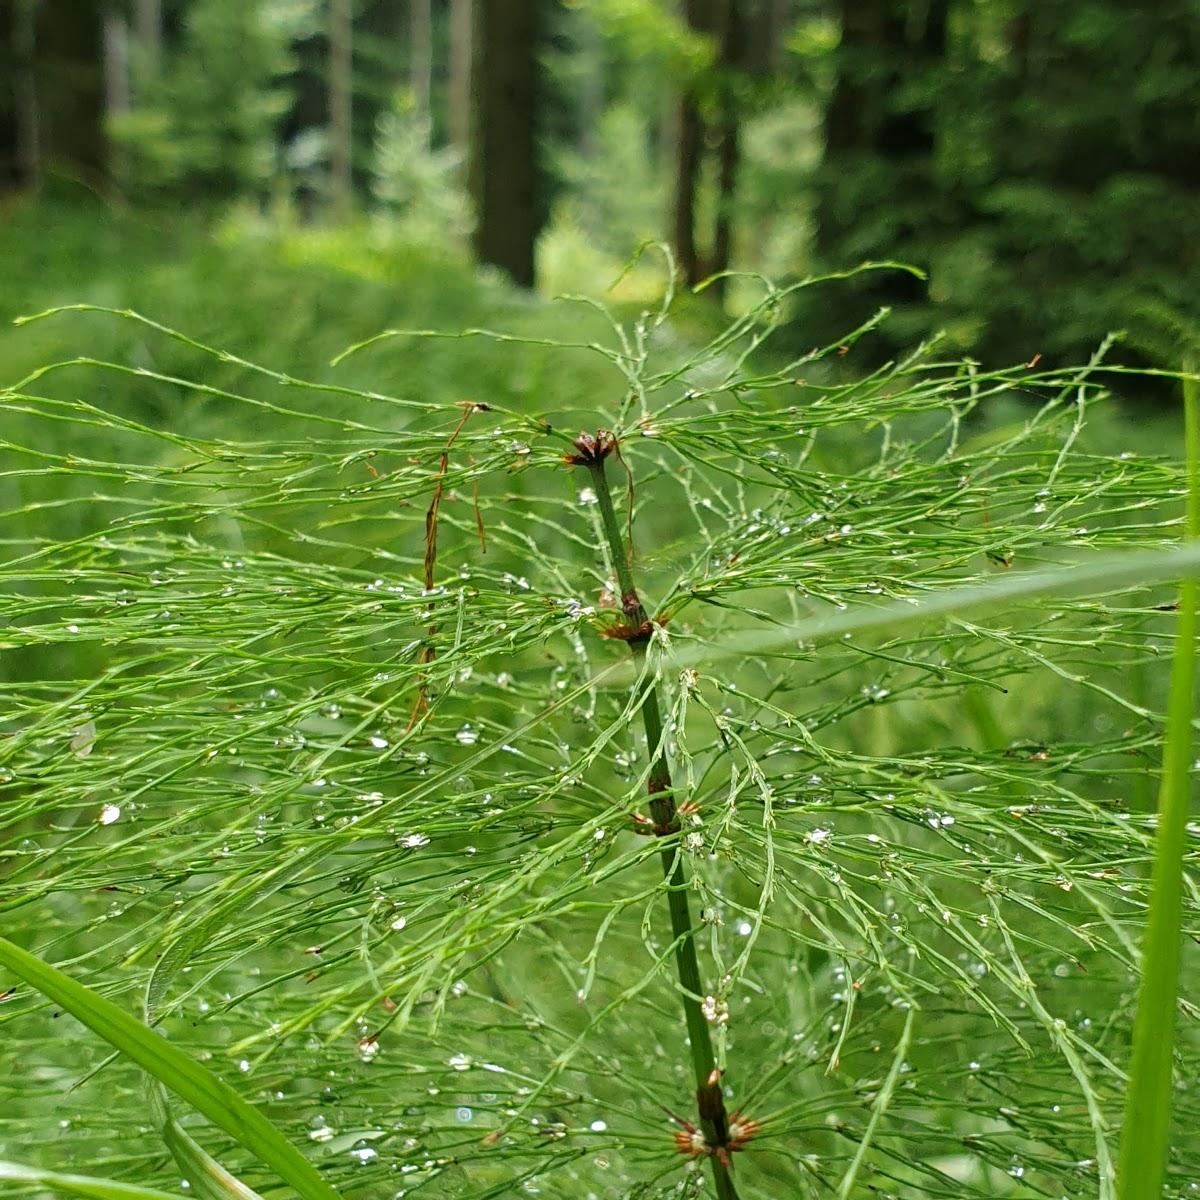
<point x="587" y="496"/>
<point x="598" y="1126"/>
<point x="364" y="1154"/>
<point x="82" y="739"/>
<point x="414" y="841"/>
<point x="460" y="1062"/>
<point x="380" y="743"/>
<point x="819" y="837"/>
<point x="467" y="736"/>
<point x="109" y="813"/>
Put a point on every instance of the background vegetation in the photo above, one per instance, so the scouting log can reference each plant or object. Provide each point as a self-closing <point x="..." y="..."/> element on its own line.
<point x="318" y="753"/>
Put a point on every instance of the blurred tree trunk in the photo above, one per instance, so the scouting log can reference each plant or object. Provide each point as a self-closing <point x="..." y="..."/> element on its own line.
<point x="28" y="160"/>
<point x="68" y="82"/>
<point x="504" y="170"/>
<point x="420" y="16"/>
<point x="850" y="113"/>
<point x="907" y="138"/>
<point x="116" y="63"/>
<point x="729" y="152"/>
<point x="689" y="151"/>
<point x="11" y="166"/>
<point x="341" y="108"/>
<point x="461" y="16"/>
<point x="779" y="20"/>
<point x="880" y="126"/>
<point x="765" y="26"/>
<point x="147" y="25"/>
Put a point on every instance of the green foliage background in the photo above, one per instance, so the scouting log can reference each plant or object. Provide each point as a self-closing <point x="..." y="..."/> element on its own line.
<point x="360" y="840"/>
<point x="434" y="952"/>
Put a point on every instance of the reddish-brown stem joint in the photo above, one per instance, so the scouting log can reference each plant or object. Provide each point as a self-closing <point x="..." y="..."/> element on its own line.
<point x="670" y="823"/>
<point x="644" y="824"/>
<point x="730" y="1138"/>
<point x="634" y="635"/>
<point x="591" y="449"/>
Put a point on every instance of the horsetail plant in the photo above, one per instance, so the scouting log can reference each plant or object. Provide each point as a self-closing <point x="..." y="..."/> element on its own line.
<point x="719" y="1134"/>
<point x="310" y="753"/>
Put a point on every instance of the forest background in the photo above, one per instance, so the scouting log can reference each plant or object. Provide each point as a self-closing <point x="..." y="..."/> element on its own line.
<point x="316" y="753"/>
<point x="1038" y="162"/>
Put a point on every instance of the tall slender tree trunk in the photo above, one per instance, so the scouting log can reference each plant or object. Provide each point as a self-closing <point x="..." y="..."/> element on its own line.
<point x="689" y="146"/>
<point x="689" y="154"/>
<point x="10" y="165"/>
<point x="461" y="21"/>
<point x="147" y="27"/>
<point x="778" y="22"/>
<point x="28" y="151"/>
<point x="504" y="170"/>
<point x="68" y="87"/>
<point x="880" y="125"/>
<point x="849" y="116"/>
<point x="420" y="41"/>
<point x="117" y="88"/>
<point x="340" y="108"/>
<point x="116" y="63"/>
<point x="729" y="153"/>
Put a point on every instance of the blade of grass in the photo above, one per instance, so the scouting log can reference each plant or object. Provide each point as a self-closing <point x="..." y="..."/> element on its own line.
<point x="80" y="1185"/>
<point x="1144" y="1140"/>
<point x="208" y="1178"/>
<point x="184" y="1076"/>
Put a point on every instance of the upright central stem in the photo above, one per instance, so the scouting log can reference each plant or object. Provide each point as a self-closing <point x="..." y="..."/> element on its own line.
<point x="710" y="1099"/>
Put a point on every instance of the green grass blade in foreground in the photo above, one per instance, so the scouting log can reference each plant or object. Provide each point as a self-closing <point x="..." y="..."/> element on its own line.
<point x="80" y="1185"/>
<point x="1144" y="1137"/>
<point x="175" y="1069"/>
<point x="208" y="1178"/>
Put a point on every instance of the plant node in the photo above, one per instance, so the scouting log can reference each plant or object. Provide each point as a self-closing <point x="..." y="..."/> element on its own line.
<point x="591" y="449"/>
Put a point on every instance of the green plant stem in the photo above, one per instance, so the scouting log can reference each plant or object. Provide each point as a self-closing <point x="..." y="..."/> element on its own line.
<point x="1145" y="1135"/>
<point x="710" y="1099"/>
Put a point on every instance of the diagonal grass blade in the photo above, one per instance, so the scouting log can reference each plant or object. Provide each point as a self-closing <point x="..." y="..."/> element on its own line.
<point x="80" y="1185"/>
<point x="175" y="1069"/>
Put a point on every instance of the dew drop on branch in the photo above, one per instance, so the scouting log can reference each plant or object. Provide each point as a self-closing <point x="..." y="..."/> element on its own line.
<point x="82" y="739"/>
